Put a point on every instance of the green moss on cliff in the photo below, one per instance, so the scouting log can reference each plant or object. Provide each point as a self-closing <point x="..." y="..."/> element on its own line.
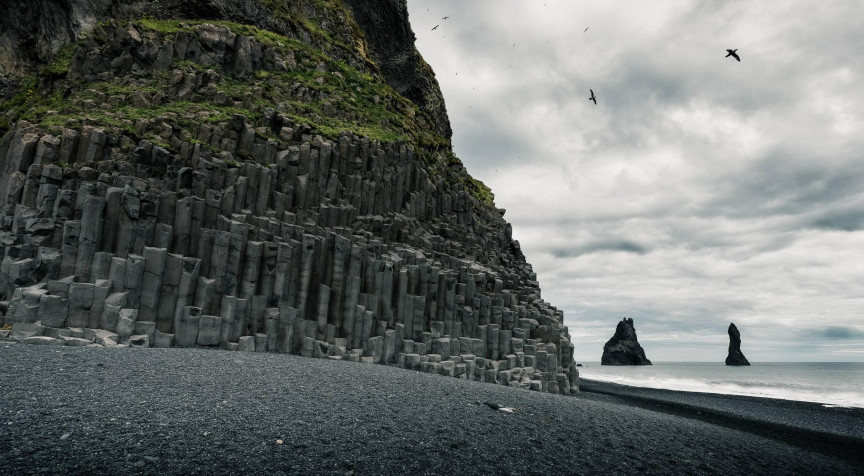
<point x="332" y="12"/>
<point x="16" y="107"/>
<point x="323" y="93"/>
<point x="61" y="62"/>
<point x="480" y="191"/>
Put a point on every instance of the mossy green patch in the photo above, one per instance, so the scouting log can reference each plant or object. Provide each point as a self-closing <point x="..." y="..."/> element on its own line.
<point x="311" y="21"/>
<point x="27" y="97"/>
<point x="59" y="65"/>
<point x="480" y="191"/>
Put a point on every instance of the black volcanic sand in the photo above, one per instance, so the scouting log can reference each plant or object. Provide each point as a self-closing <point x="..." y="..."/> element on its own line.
<point x="835" y="430"/>
<point x="172" y="411"/>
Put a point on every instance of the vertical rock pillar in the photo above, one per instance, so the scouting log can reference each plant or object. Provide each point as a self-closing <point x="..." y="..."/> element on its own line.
<point x="151" y="284"/>
<point x="90" y="237"/>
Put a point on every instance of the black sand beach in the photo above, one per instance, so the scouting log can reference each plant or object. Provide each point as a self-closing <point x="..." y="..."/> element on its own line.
<point x="172" y="411"/>
<point x="833" y="430"/>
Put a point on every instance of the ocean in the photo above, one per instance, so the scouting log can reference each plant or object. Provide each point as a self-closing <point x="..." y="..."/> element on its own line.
<point x="838" y="384"/>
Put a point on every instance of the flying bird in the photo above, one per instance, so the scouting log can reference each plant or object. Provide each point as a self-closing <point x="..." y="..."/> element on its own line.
<point x="435" y="27"/>
<point x="733" y="54"/>
<point x="586" y="29"/>
<point x="444" y="18"/>
<point x="593" y="98"/>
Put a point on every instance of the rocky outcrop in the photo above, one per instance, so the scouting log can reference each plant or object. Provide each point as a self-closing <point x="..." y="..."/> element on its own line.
<point x="623" y="348"/>
<point x="735" y="357"/>
<point x="369" y="35"/>
<point x="201" y="184"/>
<point x="391" y="43"/>
<point x="32" y="31"/>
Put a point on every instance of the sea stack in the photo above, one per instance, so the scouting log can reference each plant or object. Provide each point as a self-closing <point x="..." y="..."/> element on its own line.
<point x="735" y="357"/>
<point x="623" y="348"/>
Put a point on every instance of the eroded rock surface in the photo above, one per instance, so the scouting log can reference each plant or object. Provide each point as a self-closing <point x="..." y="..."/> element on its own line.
<point x="32" y="32"/>
<point x="735" y="357"/>
<point x="623" y="348"/>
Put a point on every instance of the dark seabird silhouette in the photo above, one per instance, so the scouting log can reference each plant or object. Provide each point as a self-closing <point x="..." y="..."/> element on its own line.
<point x="593" y="98"/>
<point x="586" y="29"/>
<point x="732" y="54"/>
<point x="435" y="27"/>
<point x="444" y="18"/>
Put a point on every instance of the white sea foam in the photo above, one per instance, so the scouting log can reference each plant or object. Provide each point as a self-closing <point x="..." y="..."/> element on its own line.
<point x="839" y="385"/>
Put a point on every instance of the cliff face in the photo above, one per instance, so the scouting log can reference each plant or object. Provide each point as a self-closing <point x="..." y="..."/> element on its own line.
<point x="391" y="42"/>
<point x="370" y="35"/>
<point x="31" y="32"/>
<point x="623" y="348"/>
<point x="255" y="175"/>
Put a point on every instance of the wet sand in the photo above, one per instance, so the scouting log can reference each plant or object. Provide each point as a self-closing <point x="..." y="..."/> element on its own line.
<point x="832" y="430"/>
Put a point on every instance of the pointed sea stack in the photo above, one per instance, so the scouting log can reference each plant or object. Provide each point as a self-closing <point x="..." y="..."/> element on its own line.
<point x="623" y="348"/>
<point x="735" y="357"/>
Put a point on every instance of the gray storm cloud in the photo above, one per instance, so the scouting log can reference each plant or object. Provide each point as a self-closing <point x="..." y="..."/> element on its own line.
<point x="699" y="190"/>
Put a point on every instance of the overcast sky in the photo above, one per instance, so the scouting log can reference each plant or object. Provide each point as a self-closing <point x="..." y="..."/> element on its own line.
<point x="699" y="191"/>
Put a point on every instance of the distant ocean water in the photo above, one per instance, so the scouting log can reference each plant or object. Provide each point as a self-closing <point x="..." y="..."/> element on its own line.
<point x="828" y="383"/>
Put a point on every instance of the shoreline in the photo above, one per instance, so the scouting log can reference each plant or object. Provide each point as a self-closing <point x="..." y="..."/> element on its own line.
<point x="830" y="429"/>
<point x="199" y="411"/>
<point x="826" y="383"/>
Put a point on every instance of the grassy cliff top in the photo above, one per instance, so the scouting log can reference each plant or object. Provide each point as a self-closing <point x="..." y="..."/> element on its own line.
<point x="337" y="96"/>
<point x="307" y="85"/>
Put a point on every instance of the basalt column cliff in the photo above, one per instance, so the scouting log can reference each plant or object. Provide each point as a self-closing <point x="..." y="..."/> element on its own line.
<point x="258" y="175"/>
